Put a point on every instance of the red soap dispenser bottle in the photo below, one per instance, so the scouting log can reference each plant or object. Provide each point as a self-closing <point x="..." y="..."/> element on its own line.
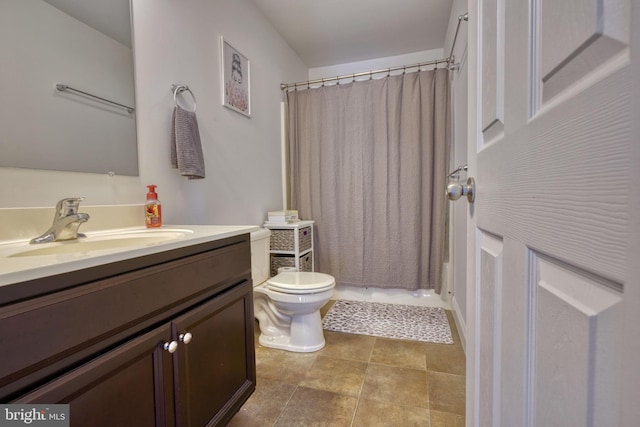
<point x="153" y="211"/>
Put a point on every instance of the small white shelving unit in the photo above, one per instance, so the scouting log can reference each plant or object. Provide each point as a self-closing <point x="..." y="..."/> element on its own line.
<point x="291" y="245"/>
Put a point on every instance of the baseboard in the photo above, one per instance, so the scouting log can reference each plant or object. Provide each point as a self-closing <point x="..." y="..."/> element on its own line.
<point x="460" y="324"/>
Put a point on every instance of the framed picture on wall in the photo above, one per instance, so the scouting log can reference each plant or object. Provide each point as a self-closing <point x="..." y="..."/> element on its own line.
<point x="235" y="73"/>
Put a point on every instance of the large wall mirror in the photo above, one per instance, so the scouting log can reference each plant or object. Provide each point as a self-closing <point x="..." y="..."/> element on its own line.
<point x="84" y="45"/>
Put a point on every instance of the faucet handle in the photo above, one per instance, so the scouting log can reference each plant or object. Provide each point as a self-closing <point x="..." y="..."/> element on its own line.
<point x="68" y="206"/>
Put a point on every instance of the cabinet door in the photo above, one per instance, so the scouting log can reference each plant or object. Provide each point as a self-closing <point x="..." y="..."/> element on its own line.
<point x="131" y="385"/>
<point x="215" y="371"/>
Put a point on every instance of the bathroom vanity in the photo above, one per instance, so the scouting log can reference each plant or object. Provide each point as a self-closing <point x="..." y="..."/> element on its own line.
<point x="160" y="335"/>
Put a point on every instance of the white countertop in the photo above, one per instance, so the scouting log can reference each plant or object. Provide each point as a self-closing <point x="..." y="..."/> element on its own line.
<point x="16" y="268"/>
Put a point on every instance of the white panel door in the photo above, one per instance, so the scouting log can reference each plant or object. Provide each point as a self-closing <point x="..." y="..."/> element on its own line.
<point x="554" y="233"/>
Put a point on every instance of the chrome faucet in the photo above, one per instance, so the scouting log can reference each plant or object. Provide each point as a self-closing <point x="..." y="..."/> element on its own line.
<point x="65" y="222"/>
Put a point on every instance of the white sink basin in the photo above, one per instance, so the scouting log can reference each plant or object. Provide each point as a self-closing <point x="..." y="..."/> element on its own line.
<point x="104" y="242"/>
<point x="21" y="261"/>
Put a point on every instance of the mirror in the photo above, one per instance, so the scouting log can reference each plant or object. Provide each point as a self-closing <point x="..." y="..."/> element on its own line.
<point x="85" y="45"/>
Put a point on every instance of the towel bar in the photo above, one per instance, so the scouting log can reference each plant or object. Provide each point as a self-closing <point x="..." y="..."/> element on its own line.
<point x="63" y="88"/>
<point x="179" y="88"/>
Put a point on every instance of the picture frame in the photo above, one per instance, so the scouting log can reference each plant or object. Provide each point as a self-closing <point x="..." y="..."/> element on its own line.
<point x="235" y="72"/>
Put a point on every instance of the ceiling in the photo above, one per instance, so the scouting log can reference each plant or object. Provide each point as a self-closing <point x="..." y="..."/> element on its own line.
<point x="331" y="32"/>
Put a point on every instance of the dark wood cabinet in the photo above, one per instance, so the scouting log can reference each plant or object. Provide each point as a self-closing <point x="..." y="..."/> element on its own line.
<point x="212" y="378"/>
<point x="129" y="386"/>
<point x="103" y="346"/>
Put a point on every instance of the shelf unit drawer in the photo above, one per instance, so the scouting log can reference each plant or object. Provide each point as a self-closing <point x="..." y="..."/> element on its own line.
<point x="284" y="239"/>
<point x="278" y="260"/>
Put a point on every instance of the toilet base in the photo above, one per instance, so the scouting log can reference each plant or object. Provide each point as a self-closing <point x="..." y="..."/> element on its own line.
<point x="282" y="343"/>
<point x="305" y="336"/>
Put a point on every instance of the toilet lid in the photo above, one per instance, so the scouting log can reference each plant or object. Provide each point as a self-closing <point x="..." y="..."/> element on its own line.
<point x="301" y="282"/>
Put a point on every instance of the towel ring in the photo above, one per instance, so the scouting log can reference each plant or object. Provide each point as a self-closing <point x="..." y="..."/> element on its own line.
<point x="176" y="89"/>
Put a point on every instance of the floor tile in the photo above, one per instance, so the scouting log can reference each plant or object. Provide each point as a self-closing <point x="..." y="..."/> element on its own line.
<point x="326" y="308"/>
<point x="359" y="380"/>
<point x="454" y="329"/>
<point x="284" y="366"/>
<point x="265" y="404"/>
<point x="406" y="354"/>
<point x="446" y="392"/>
<point x="391" y="384"/>
<point x="348" y="346"/>
<point x="445" y="419"/>
<point x="445" y="358"/>
<point x="371" y="413"/>
<point x="308" y="407"/>
<point x="336" y="375"/>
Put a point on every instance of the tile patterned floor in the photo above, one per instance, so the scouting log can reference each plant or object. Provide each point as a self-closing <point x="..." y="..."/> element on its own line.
<point x="358" y="380"/>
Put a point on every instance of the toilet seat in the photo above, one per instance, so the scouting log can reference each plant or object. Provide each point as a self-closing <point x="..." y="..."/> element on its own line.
<point x="301" y="282"/>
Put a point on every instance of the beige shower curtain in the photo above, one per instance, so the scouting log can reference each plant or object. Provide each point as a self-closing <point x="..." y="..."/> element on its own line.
<point x="368" y="163"/>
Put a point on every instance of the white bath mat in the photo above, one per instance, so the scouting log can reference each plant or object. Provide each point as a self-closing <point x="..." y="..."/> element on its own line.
<point x="408" y="322"/>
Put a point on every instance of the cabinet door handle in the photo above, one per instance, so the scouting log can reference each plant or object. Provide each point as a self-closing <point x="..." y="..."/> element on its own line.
<point x="185" y="338"/>
<point x="170" y="346"/>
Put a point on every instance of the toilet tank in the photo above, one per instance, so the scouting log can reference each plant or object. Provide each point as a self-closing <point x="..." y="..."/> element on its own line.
<point x="260" y="268"/>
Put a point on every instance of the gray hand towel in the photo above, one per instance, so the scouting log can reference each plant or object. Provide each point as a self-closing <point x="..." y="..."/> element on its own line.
<point x="186" y="149"/>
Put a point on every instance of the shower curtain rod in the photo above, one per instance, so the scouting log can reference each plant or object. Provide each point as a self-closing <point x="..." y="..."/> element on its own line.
<point x="449" y="61"/>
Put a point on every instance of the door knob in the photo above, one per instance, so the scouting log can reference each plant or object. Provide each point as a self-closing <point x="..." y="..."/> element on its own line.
<point x="171" y="347"/>
<point x="185" y="338"/>
<point x="455" y="190"/>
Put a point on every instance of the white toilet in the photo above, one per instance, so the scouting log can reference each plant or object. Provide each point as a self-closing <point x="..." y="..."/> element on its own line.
<point x="287" y="305"/>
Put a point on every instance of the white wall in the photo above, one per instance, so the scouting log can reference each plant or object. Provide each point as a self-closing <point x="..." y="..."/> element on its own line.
<point x="459" y="208"/>
<point x="375" y="64"/>
<point x="178" y="42"/>
<point x="459" y="7"/>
